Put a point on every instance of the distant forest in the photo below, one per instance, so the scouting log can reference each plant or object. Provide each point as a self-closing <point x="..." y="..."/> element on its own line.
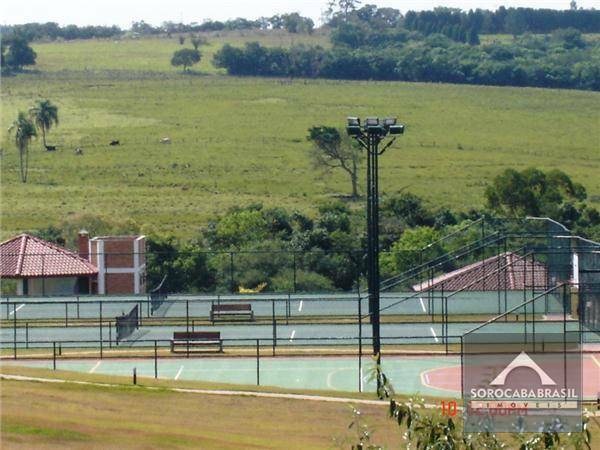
<point x="370" y="43"/>
<point x="447" y="21"/>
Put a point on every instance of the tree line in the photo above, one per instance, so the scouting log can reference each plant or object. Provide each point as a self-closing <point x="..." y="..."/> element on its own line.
<point x="251" y="245"/>
<point x="513" y="21"/>
<point x="292" y="23"/>
<point x="562" y="60"/>
<point x="452" y="22"/>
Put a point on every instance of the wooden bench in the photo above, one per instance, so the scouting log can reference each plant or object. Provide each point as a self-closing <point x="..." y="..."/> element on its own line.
<point x="195" y="340"/>
<point x="231" y="311"/>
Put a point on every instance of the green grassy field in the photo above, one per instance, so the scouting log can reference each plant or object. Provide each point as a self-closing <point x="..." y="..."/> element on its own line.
<point x="83" y="416"/>
<point x="242" y="140"/>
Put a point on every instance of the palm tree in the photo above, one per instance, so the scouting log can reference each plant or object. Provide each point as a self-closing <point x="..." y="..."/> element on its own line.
<point x="45" y="115"/>
<point x="24" y="131"/>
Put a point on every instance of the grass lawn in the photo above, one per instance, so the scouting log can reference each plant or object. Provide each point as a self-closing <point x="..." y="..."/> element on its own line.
<point x="79" y="416"/>
<point x="242" y="140"/>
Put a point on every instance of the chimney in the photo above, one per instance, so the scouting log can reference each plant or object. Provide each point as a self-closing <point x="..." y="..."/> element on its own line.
<point x="83" y="239"/>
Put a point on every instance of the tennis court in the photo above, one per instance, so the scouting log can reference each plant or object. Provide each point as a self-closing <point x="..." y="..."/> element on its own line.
<point x="300" y="306"/>
<point x="322" y="373"/>
<point x="430" y="375"/>
<point x="285" y="335"/>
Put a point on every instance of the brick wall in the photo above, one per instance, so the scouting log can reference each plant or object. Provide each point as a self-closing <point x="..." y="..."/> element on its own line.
<point x="119" y="252"/>
<point x="119" y="283"/>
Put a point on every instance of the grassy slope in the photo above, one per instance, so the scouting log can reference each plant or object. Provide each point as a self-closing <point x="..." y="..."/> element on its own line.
<point x="238" y="140"/>
<point x="75" y="416"/>
<point x="79" y="416"/>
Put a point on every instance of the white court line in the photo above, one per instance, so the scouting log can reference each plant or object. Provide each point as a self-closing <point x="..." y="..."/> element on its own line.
<point x="16" y="309"/>
<point x="93" y="369"/>
<point x="331" y="374"/>
<point x="292" y="335"/>
<point x="178" y="373"/>
<point x="300" y="307"/>
<point x="434" y="335"/>
<point x="422" y="305"/>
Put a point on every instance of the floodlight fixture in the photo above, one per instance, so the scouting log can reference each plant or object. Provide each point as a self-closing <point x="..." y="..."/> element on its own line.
<point x="353" y="122"/>
<point x="389" y="121"/>
<point x="372" y="122"/>
<point x="396" y="129"/>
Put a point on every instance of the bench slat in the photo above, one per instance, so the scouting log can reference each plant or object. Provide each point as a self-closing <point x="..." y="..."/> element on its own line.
<point x="231" y="307"/>
<point x="190" y="335"/>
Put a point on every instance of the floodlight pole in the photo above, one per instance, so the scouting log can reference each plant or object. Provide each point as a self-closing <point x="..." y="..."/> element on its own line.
<point x="373" y="278"/>
<point x="369" y="138"/>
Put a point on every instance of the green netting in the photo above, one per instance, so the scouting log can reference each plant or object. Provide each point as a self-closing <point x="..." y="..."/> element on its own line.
<point x="588" y="256"/>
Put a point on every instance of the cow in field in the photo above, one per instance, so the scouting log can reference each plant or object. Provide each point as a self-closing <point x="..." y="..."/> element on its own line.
<point x="50" y="148"/>
<point x="165" y="140"/>
<point x="78" y="151"/>
<point x="113" y="143"/>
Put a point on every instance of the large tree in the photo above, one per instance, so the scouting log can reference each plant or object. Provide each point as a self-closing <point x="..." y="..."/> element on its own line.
<point x="332" y="149"/>
<point x="24" y="131"/>
<point x="19" y="53"/>
<point x="185" y="57"/>
<point x="44" y="114"/>
<point x="532" y="192"/>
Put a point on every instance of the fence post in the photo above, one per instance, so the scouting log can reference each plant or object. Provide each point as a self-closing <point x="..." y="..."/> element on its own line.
<point x="565" y="330"/>
<point x="462" y="372"/>
<point x="187" y="317"/>
<point x="294" y="253"/>
<point x="100" y="307"/>
<point x="54" y="355"/>
<point x="26" y="334"/>
<point x="231" y="272"/>
<point x="155" y="360"/>
<point x="134" y="376"/>
<point x="274" y="335"/>
<point x="109" y="334"/>
<point x="273" y="310"/>
<point x="359" y="341"/>
<point x="15" y="331"/>
<point x="446" y="322"/>
<point x="258" y="362"/>
<point x="78" y="308"/>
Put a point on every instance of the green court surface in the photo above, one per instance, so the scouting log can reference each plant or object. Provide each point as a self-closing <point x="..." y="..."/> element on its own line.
<point x="323" y="373"/>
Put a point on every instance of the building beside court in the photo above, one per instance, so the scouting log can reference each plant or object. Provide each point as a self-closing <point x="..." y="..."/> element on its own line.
<point x="121" y="263"/>
<point x="102" y="265"/>
<point x="506" y="271"/>
<point x="44" y="268"/>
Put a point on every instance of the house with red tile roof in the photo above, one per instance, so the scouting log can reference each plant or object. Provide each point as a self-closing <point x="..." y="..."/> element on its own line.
<point x="44" y="268"/>
<point x="103" y="265"/>
<point x="506" y="271"/>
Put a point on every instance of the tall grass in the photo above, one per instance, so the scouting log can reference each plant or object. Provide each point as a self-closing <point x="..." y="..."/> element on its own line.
<point x="241" y="140"/>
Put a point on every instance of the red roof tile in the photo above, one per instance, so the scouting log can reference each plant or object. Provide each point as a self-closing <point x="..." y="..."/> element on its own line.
<point x="27" y="256"/>
<point x="505" y="271"/>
